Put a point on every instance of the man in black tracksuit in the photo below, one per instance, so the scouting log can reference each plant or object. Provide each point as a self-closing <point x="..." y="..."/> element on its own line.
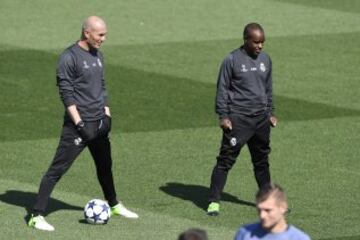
<point x="87" y="121"/>
<point x="245" y="108"/>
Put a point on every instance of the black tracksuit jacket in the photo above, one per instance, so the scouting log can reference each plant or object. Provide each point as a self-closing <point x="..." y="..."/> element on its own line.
<point x="80" y="78"/>
<point x="244" y="85"/>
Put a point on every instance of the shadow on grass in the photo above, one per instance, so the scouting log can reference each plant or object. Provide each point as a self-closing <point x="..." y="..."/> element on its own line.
<point x="83" y="221"/>
<point x="27" y="200"/>
<point x="198" y="194"/>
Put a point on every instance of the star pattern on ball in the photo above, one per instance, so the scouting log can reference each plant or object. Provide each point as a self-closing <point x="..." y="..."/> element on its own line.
<point x="105" y="207"/>
<point x="97" y="212"/>
<point x="96" y="217"/>
<point x="91" y="204"/>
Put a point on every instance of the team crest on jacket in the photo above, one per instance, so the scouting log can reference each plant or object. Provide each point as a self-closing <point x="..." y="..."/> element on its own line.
<point x="86" y="66"/>
<point x="262" y="67"/>
<point x="99" y="62"/>
<point x="243" y="68"/>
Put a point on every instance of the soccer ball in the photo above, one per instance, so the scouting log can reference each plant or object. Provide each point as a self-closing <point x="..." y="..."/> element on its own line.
<point x="97" y="211"/>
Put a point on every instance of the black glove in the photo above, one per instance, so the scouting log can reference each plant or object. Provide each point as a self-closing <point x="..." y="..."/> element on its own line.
<point x="85" y="133"/>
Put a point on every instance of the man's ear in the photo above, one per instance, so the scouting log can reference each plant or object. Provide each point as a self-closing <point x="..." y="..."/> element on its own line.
<point x="86" y="34"/>
<point x="284" y="207"/>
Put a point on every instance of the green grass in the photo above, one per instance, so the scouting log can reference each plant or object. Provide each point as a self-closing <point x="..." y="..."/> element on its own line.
<point x="162" y="59"/>
<point x="344" y="5"/>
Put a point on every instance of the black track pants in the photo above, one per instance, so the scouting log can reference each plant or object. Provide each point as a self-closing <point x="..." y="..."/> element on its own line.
<point x="70" y="146"/>
<point x="253" y="131"/>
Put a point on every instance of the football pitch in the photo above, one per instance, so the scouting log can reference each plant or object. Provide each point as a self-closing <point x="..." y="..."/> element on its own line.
<point x="162" y="60"/>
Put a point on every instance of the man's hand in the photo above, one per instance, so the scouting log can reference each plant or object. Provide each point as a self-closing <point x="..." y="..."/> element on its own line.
<point x="85" y="133"/>
<point x="74" y="114"/>
<point x="273" y="121"/>
<point x="107" y="111"/>
<point x="226" y="124"/>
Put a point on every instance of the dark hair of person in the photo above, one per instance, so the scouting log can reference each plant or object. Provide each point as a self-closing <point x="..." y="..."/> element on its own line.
<point x="193" y="234"/>
<point x="249" y="28"/>
<point x="273" y="190"/>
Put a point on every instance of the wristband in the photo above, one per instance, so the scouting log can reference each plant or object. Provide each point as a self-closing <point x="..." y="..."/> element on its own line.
<point x="80" y="125"/>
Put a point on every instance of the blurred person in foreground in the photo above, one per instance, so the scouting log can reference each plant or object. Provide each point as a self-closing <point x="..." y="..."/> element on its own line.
<point x="272" y="207"/>
<point x="193" y="234"/>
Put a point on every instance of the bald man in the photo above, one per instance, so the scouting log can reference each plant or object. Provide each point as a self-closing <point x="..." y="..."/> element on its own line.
<point x="87" y="120"/>
<point x="272" y="207"/>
